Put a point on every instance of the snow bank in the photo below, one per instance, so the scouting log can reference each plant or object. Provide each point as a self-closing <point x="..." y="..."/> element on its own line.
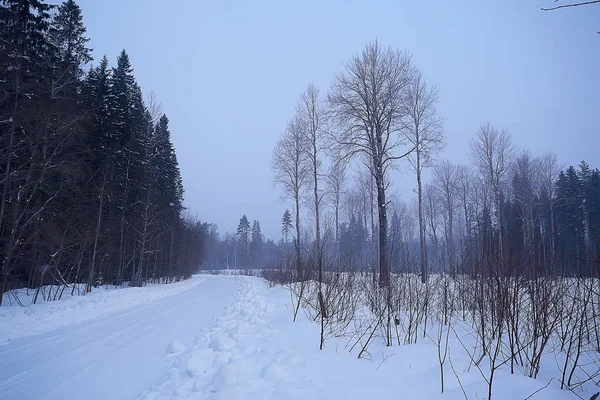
<point x="31" y="319"/>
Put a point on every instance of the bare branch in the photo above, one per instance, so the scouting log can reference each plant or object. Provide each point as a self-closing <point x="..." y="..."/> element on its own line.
<point x="585" y="3"/>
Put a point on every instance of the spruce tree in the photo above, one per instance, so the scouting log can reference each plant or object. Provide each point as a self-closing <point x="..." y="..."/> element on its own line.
<point x="122" y="86"/>
<point x="25" y="47"/>
<point x="67" y="33"/>
<point x="590" y="198"/>
<point x="100" y="103"/>
<point x="569" y="218"/>
<point x="256" y="246"/>
<point x="165" y="166"/>
<point x="243" y="231"/>
<point x="286" y="225"/>
<point x="165" y="184"/>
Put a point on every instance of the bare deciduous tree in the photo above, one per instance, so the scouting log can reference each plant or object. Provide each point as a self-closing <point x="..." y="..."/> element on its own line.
<point x="291" y="172"/>
<point x="525" y="187"/>
<point x="368" y="101"/>
<point x="431" y="212"/>
<point x="311" y="115"/>
<point x="491" y="152"/>
<point x="466" y="181"/>
<point x="335" y="181"/>
<point x="446" y="179"/>
<point x="423" y="130"/>
<point x="549" y="171"/>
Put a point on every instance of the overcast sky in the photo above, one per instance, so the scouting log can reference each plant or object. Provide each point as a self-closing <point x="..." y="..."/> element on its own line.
<point x="229" y="73"/>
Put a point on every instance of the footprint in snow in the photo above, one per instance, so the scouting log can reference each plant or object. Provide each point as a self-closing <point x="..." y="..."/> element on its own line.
<point x="222" y="343"/>
<point x="200" y="361"/>
<point x="274" y="373"/>
<point x="176" y="347"/>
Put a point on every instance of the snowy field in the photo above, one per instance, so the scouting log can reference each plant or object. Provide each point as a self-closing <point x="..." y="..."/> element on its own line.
<point x="223" y="337"/>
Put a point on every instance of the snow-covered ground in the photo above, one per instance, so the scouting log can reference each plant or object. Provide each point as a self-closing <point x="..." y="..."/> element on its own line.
<point x="233" y="338"/>
<point x="254" y="351"/>
<point x="116" y="352"/>
<point x="20" y="321"/>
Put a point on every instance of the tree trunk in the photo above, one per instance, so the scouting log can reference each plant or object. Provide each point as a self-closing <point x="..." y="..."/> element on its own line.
<point x="450" y="243"/>
<point x="384" y="262"/>
<point x="298" y="264"/>
<point x="500" y="229"/>
<point x="97" y="233"/>
<point x="422" y="243"/>
<point x="373" y="240"/>
<point x="145" y="233"/>
<point x="4" y="286"/>
<point x="337" y="233"/>
<point x="172" y="244"/>
<point x="122" y="236"/>
<point x="317" y="224"/>
<point x="466" y="257"/>
<point x="552" y="236"/>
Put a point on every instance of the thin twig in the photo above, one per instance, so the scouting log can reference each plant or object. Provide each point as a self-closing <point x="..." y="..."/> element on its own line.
<point x="384" y="360"/>
<point x="539" y="390"/>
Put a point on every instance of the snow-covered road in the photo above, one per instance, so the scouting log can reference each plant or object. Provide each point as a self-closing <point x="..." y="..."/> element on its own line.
<point x="112" y="357"/>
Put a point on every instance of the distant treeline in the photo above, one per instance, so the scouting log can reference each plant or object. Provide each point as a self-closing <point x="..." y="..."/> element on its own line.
<point x="550" y="226"/>
<point x="507" y="212"/>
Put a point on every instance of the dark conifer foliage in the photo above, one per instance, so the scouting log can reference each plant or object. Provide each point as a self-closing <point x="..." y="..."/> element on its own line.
<point x="67" y="35"/>
<point x="256" y="246"/>
<point x="90" y="185"/>
<point x="243" y="232"/>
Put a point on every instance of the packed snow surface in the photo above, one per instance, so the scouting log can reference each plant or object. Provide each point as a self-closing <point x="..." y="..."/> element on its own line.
<point x="20" y="321"/>
<point x="111" y="345"/>
<point x="232" y="337"/>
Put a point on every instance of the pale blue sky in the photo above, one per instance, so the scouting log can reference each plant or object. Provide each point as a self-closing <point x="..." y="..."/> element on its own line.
<point x="229" y="73"/>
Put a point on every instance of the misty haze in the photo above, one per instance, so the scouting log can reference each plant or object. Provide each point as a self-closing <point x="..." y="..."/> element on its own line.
<point x="299" y="200"/>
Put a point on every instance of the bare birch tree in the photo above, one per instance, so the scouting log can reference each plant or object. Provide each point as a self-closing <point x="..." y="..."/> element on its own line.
<point x="335" y="181"/>
<point x="310" y="113"/>
<point x="368" y="100"/>
<point x="366" y="189"/>
<point x="525" y="186"/>
<point x="466" y="182"/>
<point x="491" y="152"/>
<point x="549" y="171"/>
<point x="291" y="172"/>
<point x="431" y="212"/>
<point x="423" y="130"/>
<point x="445" y="177"/>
